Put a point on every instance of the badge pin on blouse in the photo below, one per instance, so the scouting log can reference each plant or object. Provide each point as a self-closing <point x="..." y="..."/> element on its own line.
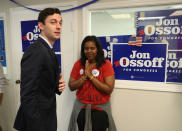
<point x="95" y="72"/>
<point x="81" y="71"/>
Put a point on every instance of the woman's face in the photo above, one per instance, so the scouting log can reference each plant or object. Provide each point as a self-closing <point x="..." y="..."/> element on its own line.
<point x="90" y="50"/>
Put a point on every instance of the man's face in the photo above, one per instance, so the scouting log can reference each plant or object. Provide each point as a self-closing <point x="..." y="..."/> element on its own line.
<point x="51" y="29"/>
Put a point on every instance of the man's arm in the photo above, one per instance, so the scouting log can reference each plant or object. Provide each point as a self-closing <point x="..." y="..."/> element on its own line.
<point x="31" y="65"/>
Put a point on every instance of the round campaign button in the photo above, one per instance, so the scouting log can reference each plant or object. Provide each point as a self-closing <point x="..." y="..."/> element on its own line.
<point x="95" y="72"/>
<point x="81" y="71"/>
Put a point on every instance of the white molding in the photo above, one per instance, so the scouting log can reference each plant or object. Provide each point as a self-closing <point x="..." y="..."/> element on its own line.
<point x="152" y="86"/>
<point x="2" y="16"/>
<point x="85" y="21"/>
<point x="75" y="30"/>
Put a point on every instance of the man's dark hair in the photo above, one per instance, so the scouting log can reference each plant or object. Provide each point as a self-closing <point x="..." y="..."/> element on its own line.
<point x="100" y="59"/>
<point x="46" y="12"/>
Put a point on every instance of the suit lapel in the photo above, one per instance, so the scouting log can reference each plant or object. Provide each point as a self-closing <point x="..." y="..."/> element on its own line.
<point x="52" y="53"/>
<point x="56" y="60"/>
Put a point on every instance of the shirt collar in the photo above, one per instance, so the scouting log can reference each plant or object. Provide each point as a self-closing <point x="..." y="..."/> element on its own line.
<point x="46" y="41"/>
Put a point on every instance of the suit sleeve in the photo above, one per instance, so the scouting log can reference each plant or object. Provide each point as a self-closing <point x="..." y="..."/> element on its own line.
<point x="31" y="65"/>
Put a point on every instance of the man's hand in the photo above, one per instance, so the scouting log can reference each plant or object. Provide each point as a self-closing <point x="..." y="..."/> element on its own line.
<point x="62" y="83"/>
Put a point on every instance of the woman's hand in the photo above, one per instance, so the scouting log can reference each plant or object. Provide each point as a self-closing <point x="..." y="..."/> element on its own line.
<point x="88" y="69"/>
<point x="106" y="86"/>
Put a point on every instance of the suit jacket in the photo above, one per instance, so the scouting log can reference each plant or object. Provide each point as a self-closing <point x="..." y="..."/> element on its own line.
<point x="39" y="83"/>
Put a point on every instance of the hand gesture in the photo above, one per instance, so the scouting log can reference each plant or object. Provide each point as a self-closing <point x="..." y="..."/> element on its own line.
<point x="88" y="69"/>
<point x="62" y="83"/>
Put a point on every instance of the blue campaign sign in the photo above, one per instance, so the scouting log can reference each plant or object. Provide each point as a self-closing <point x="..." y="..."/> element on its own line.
<point x="159" y="25"/>
<point x="106" y="40"/>
<point x="30" y="33"/>
<point x="146" y="63"/>
<point x="2" y="44"/>
<point x="163" y="26"/>
<point x="162" y="29"/>
<point x="174" y="66"/>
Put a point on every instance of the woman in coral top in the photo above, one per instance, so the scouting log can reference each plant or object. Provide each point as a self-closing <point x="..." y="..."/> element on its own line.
<point x="93" y="79"/>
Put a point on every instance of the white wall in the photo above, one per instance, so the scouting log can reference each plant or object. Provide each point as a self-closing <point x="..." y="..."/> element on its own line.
<point x="133" y="110"/>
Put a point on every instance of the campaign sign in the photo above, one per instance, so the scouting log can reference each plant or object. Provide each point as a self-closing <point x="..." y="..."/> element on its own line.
<point x="30" y="33"/>
<point x="106" y="40"/>
<point x="146" y="63"/>
<point x="174" y="66"/>
<point x="2" y="44"/>
<point x="161" y="25"/>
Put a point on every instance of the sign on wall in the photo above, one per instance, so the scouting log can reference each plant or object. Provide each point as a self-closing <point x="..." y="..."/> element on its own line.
<point x="30" y="33"/>
<point x="164" y="26"/>
<point x="161" y="26"/>
<point x="2" y="44"/>
<point x="142" y="64"/>
<point x="106" y="40"/>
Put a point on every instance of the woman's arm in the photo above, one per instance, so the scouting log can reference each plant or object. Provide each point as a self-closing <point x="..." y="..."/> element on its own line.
<point x="106" y="86"/>
<point x="76" y="84"/>
<point x="109" y="81"/>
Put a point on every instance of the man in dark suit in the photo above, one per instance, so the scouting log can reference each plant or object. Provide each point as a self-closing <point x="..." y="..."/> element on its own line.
<point x="40" y="80"/>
